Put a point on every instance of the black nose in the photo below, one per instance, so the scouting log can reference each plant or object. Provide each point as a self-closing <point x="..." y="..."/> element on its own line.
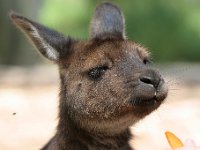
<point x="151" y="78"/>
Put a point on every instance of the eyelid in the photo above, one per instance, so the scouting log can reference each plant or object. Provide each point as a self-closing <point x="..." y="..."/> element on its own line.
<point x="148" y="60"/>
<point x="107" y="65"/>
<point x="99" y="71"/>
<point x="103" y="67"/>
<point x="85" y="72"/>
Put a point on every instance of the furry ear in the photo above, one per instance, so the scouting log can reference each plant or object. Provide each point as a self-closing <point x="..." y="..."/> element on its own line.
<point x="107" y="22"/>
<point x="50" y="43"/>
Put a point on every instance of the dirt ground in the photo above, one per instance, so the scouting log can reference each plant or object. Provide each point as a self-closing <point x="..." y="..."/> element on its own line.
<point x="29" y="101"/>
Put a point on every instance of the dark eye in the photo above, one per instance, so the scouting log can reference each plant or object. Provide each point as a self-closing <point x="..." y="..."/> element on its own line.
<point x="147" y="61"/>
<point x="96" y="73"/>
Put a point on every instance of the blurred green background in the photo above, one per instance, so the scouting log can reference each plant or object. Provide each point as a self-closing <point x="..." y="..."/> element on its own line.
<point x="170" y="29"/>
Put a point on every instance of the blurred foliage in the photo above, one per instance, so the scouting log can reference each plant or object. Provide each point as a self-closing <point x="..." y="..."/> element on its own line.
<point x="170" y="29"/>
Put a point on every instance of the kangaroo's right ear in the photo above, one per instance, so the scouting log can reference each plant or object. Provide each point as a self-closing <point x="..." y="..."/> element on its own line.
<point x="50" y="43"/>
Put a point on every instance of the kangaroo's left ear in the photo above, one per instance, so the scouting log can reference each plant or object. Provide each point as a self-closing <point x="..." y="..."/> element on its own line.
<point x="107" y="22"/>
<point x="50" y="43"/>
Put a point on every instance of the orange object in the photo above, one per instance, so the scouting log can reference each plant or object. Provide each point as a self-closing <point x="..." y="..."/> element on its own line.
<point x="173" y="140"/>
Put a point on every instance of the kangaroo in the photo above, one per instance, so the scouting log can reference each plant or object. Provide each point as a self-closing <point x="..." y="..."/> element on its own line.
<point x="106" y="84"/>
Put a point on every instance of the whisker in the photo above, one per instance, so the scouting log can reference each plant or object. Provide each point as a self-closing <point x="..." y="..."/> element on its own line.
<point x="169" y="81"/>
<point x="174" y="89"/>
<point x="173" y="83"/>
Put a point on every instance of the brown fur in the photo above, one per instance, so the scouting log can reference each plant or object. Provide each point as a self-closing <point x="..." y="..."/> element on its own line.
<point x="106" y="85"/>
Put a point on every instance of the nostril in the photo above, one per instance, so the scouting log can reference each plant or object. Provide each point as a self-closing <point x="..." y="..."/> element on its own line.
<point x="146" y="79"/>
<point x="150" y="80"/>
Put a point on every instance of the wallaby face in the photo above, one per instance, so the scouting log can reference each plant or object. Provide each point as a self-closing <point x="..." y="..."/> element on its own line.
<point x="106" y="84"/>
<point x="109" y="86"/>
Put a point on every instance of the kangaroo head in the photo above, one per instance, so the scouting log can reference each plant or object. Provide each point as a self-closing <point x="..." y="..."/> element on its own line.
<point x="106" y="82"/>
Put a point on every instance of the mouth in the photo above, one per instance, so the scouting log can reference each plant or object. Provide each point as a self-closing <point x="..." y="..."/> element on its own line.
<point x="147" y="96"/>
<point x="149" y="100"/>
<point x="142" y="102"/>
<point x="144" y="105"/>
